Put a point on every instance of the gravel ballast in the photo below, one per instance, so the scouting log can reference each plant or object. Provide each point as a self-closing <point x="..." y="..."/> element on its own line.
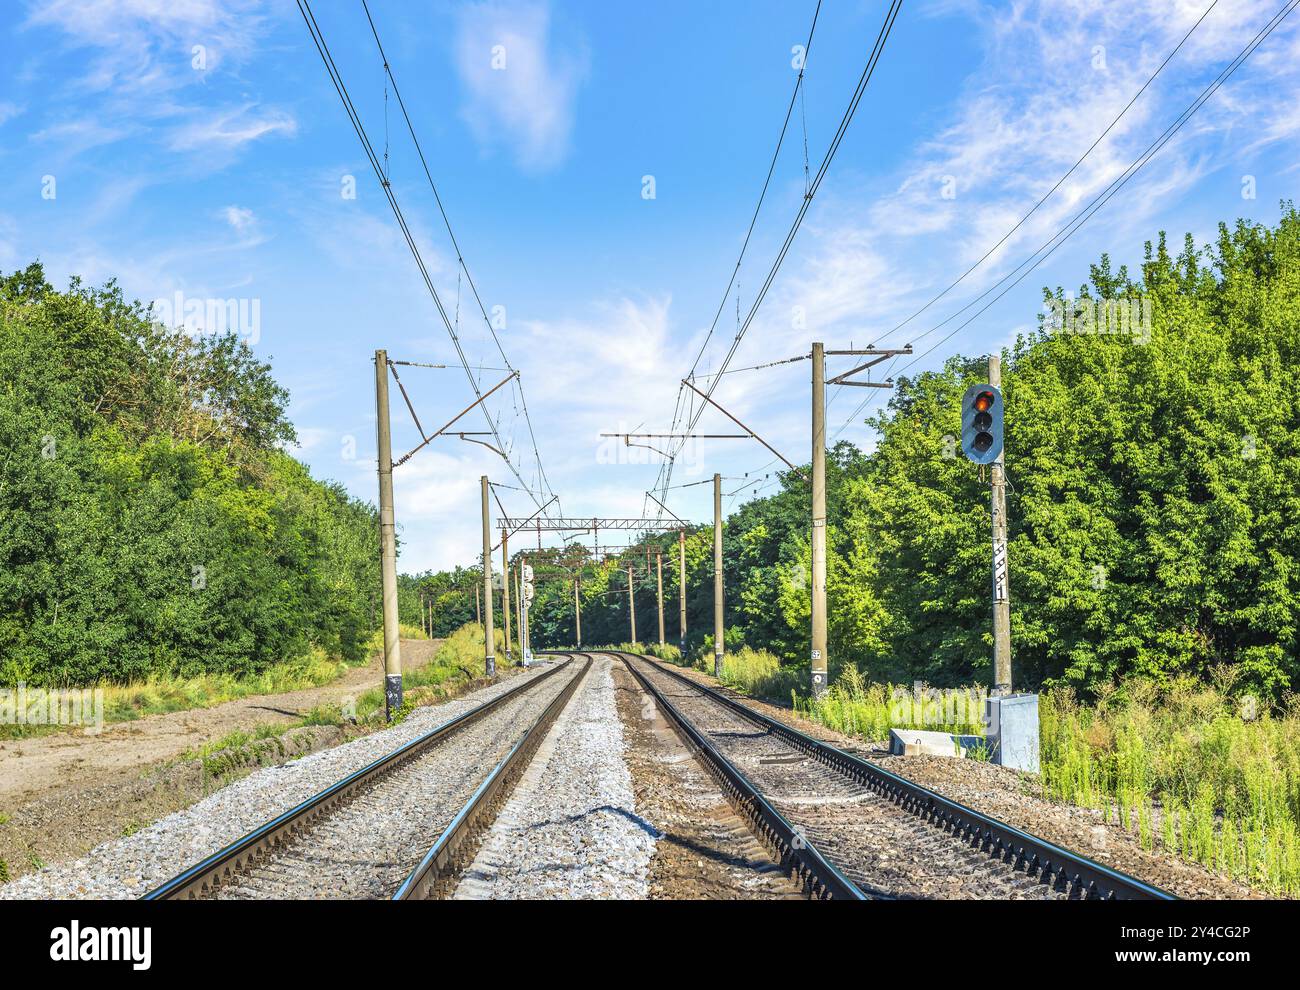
<point x="705" y="850"/>
<point x="1012" y="797"/>
<point x="888" y="852"/>
<point x="128" y="867"/>
<point x="570" y="828"/>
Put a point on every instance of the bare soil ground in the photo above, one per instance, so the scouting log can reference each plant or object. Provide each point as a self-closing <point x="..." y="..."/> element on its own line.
<point x="61" y="794"/>
<point x="1013" y="797"/>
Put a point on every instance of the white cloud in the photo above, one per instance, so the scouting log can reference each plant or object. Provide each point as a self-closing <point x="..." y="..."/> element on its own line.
<point x="8" y="111"/>
<point x="230" y="128"/>
<point x="1053" y="77"/>
<point x="147" y="44"/>
<point x="520" y="91"/>
<point x="75" y="136"/>
<point x="629" y="340"/>
<point x="239" y="217"/>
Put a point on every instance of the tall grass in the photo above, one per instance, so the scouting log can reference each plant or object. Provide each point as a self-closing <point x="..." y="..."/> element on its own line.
<point x="1182" y="768"/>
<point x="1185" y="767"/>
<point x="855" y="706"/>
<point x="459" y="660"/>
<point x="667" y="652"/>
<point x="752" y="671"/>
<point x="162" y="693"/>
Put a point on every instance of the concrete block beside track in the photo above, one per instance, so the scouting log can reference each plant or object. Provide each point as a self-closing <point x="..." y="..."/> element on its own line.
<point x="926" y="742"/>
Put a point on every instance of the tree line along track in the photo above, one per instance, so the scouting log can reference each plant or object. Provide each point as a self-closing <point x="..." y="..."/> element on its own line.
<point x="368" y="834"/>
<point x="851" y="829"/>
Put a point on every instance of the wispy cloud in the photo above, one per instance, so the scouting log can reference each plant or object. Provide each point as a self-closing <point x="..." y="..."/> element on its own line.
<point x="228" y="129"/>
<point x="520" y="88"/>
<point x="146" y="67"/>
<point x="139" y="44"/>
<point x="1012" y="137"/>
<point x="75" y="136"/>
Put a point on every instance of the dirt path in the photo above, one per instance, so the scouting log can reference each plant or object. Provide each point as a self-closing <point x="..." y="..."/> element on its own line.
<point x="35" y="766"/>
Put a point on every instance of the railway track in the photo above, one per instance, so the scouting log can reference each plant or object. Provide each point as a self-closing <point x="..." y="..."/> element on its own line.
<point x="851" y="829"/>
<point x="368" y="835"/>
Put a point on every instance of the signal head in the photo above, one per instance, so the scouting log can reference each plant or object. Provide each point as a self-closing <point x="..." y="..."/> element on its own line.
<point x="981" y="423"/>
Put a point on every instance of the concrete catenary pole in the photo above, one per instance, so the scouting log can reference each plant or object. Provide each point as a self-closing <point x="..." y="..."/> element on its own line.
<point x="505" y="588"/>
<point x="387" y="543"/>
<point x="525" y="626"/>
<point x="659" y="580"/>
<point x="489" y="633"/>
<point x="719" y="634"/>
<point x="577" y="613"/>
<point x="681" y="586"/>
<point x="819" y="659"/>
<point x="631" y="604"/>
<point x="1001" y="575"/>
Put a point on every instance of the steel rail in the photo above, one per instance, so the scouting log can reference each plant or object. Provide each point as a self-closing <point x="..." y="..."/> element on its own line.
<point x="795" y="852"/>
<point x="243" y="852"/>
<point x="1064" y="869"/>
<point x="441" y="859"/>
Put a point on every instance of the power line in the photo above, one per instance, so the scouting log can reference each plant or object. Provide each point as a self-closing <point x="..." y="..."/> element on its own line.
<point x="762" y="196"/>
<point x="340" y="87"/>
<point x="460" y="258"/>
<point x="767" y="181"/>
<point x="1105" y="196"/>
<point x="868" y="71"/>
<point x="1086" y="213"/>
<point x="1059" y="182"/>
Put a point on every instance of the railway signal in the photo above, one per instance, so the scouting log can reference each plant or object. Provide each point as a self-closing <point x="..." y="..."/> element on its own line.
<point x="981" y="423"/>
<point x="982" y="440"/>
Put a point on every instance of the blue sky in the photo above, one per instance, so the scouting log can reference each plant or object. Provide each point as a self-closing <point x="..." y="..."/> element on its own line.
<point x="197" y="146"/>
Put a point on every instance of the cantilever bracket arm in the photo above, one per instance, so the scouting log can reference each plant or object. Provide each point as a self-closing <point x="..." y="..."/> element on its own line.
<point x="666" y="509"/>
<point x="714" y="402"/>
<point x="877" y="355"/>
<point x="627" y="442"/>
<point x="429" y="439"/>
<point x="520" y="527"/>
<point x="482" y="443"/>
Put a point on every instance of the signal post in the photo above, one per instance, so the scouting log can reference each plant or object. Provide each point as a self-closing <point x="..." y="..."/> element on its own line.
<point x="1001" y="572"/>
<point x="1011" y="720"/>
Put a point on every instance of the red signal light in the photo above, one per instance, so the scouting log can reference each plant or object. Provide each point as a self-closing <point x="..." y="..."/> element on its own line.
<point x="983" y="401"/>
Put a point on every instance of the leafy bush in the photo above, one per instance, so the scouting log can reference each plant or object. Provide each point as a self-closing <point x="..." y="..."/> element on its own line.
<point x="155" y="527"/>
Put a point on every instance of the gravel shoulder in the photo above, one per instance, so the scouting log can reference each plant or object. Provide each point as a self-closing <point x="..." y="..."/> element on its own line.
<point x="128" y="866"/>
<point x="570" y="828"/>
<point x="1012" y="797"/>
<point x="62" y="794"/>
<point x="366" y="848"/>
<point x="31" y="767"/>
